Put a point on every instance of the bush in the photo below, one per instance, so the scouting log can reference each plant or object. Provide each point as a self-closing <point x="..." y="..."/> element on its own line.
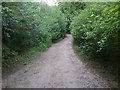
<point x="26" y="25"/>
<point x="95" y="30"/>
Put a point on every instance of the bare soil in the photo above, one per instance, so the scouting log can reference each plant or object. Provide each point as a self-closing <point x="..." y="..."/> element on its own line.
<point x="59" y="67"/>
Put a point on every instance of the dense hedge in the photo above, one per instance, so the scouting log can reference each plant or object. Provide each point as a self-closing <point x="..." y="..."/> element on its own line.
<point x="27" y="25"/>
<point x="95" y="30"/>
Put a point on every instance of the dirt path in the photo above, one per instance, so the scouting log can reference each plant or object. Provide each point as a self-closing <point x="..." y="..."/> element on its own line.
<point x="58" y="67"/>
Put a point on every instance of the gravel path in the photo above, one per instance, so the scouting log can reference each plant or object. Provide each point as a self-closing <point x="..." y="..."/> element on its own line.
<point x="58" y="67"/>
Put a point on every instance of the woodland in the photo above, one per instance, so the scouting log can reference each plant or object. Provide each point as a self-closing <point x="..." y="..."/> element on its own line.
<point x="29" y="27"/>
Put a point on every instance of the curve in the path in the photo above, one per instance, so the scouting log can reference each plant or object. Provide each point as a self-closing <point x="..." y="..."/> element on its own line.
<point x="58" y="67"/>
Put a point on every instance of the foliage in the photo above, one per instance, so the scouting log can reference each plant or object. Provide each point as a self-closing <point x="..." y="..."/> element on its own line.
<point x="94" y="27"/>
<point x="71" y="9"/>
<point x="95" y="30"/>
<point x="26" y="25"/>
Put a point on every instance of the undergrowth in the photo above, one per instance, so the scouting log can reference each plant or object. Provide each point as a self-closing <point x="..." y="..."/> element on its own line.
<point x="107" y="67"/>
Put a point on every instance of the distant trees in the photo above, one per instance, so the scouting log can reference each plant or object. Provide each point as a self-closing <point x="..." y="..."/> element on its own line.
<point x="71" y="9"/>
<point x="26" y="25"/>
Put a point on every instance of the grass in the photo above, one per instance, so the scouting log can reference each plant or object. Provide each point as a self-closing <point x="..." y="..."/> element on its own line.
<point x="101" y="66"/>
<point x="21" y="59"/>
<point x="24" y="58"/>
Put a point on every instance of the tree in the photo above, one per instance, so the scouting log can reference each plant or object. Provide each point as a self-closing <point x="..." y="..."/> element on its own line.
<point x="71" y="9"/>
